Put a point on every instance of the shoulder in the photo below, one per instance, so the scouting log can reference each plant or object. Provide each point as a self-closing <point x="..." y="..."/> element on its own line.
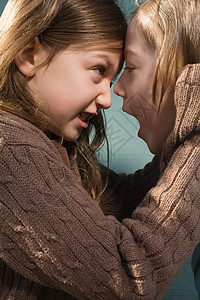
<point x="190" y="75"/>
<point x="187" y="101"/>
<point x="15" y="131"/>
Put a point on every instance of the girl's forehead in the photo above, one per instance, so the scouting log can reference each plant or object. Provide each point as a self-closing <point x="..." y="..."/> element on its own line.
<point x="137" y="33"/>
<point x="134" y="32"/>
<point x="134" y="24"/>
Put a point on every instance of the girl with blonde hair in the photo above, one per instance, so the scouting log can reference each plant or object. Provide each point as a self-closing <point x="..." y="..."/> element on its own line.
<point x="67" y="229"/>
<point x="160" y="87"/>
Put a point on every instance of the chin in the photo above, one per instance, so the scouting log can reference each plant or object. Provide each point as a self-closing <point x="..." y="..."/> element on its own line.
<point x="151" y="141"/>
<point x="71" y="137"/>
<point x="154" y="150"/>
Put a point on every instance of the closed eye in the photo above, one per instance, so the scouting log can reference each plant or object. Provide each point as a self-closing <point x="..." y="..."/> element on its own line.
<point x="129" y="69"/>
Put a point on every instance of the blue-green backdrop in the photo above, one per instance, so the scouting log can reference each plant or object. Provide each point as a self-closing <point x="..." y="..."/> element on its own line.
<point x="129" y="153"/>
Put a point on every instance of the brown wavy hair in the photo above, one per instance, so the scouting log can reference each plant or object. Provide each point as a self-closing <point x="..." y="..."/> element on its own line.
<point x="95" y="24"/>
<point x="172" y="28"/>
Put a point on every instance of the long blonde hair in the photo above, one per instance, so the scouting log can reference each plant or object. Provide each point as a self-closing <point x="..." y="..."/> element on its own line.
<point x="172" y="28"/>
<point x="58" y="24"/>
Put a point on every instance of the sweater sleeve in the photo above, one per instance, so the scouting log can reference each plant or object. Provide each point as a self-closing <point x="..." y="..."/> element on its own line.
<point x="53" y="233"/>
<point x="125" y="192"/>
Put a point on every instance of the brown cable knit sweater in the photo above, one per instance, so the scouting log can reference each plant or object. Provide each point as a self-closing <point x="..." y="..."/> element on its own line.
<point x="55" y="241"/>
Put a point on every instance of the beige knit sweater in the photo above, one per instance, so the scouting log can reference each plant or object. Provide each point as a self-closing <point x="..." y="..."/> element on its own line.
<point x="56" y="242"/>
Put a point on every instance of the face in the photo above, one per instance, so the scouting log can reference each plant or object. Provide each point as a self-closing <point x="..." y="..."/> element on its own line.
<point x="135" y="86"/>
<point x="74" y="87"/>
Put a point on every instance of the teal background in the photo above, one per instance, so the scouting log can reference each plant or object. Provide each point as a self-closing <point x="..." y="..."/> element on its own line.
<point x="2" y="4"/>
<point x="128" y="153"/>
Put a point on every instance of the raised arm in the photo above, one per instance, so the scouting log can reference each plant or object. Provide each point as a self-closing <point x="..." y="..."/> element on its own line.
<point x="125" y="192"/>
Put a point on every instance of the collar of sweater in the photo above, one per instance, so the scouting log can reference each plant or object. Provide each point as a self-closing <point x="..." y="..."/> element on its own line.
<point x="187" y="103"/>
<point x="68" y="161"/>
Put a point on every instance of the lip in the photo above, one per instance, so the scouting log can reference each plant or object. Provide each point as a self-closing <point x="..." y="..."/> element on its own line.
<point x="84" y="118"/>
<point x="139" y="133"/>
<point x="129" y="110"/>
<point x="82" y="124"/>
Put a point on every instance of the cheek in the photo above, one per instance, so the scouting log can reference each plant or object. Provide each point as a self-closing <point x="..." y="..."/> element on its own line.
<point x="139" y="82"/>
<point x="140" y="107"/>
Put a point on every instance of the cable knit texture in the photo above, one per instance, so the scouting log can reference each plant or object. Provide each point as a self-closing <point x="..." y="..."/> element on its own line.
<point x="56" y="243"/>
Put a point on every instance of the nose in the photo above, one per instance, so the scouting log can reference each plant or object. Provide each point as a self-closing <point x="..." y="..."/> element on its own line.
<point x="119" y="88"/>
<point x="103" y="99"/>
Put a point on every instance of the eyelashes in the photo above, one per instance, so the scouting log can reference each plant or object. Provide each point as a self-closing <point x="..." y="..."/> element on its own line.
<point x="100" y="70"/>
<point x="128" y="69"/>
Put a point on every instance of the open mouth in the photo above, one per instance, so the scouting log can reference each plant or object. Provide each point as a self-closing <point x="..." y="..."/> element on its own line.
<point x="85" y="117"/>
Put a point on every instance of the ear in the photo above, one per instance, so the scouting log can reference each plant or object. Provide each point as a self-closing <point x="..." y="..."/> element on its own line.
<point x="26" y="59"/>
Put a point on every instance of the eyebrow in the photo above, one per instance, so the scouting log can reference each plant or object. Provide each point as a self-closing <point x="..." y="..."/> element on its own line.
<point x="130" y="52"/>
<point x="104" y="57"/>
